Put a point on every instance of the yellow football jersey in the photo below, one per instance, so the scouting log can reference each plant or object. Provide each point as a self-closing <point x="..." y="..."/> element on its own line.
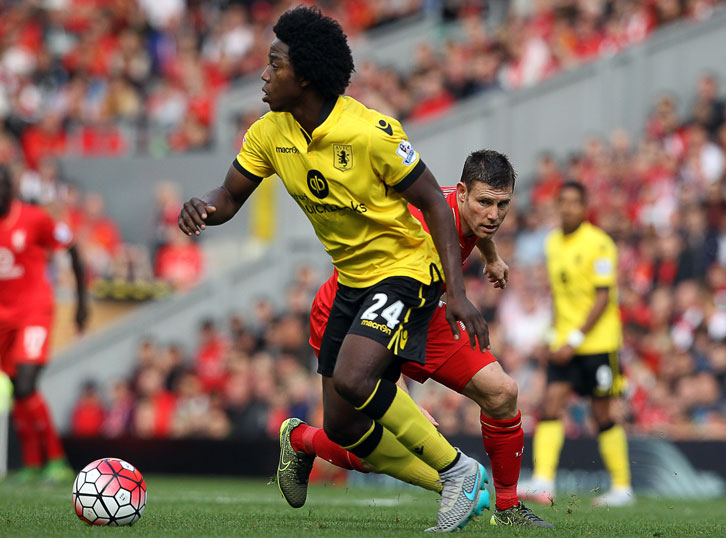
<point x="578" y="264"/>
<point x="347" y="176"/>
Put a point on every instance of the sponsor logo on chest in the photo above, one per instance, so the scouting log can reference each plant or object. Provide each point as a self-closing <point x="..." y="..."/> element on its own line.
<point x="18" y="239"/>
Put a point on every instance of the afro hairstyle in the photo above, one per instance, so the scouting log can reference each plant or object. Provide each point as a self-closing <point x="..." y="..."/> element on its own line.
<point x="318" y="49"/>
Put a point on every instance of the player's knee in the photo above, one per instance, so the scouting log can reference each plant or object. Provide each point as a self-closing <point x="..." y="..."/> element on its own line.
<point x="497" y="396"/>
<point x="510" y="392"/>
<point x="333" y="431"/>
<point x="342" y="432"/>
<point x="503" y="403"/>
<point x="353" y="388"/>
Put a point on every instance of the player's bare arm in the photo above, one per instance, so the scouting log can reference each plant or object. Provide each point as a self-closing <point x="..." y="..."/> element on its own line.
<point x="566" y="352"/>
<point x="495" y="268"/>
<point x="425" y="194"/>
<point x="79" y="272"/>
<point x="602" y="298"/>
<point x="217" y="206"/>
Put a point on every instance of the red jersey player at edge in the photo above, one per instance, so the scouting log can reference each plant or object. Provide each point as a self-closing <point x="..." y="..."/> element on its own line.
<point x="352" y="171"/>
<point x="479" y="204"/>
<point x="27" y="236"/>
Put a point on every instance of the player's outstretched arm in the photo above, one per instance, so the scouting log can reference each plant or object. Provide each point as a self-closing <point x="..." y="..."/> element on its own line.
<point x="496" y="269"/>
<point x="217" y="206"/>
<point x="425" y="194"/>
<point x="79" y="272"/>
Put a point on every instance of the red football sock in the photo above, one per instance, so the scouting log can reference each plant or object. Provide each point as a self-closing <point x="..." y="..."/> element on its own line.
<point x="43" y="423"/>
<point x="315" y="442"/>
<point x="30" y="444"/>
<point x="504" y="443"/>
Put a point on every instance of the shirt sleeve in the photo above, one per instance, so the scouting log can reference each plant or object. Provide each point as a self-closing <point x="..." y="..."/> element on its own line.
<point x="253" y="158"/>
<point x="604" y="263"/>
<point x="392" y="156"/>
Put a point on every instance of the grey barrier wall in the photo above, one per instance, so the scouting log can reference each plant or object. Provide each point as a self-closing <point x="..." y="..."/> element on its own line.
<point x="128" y="186"/>
<point x="109" y="355"/>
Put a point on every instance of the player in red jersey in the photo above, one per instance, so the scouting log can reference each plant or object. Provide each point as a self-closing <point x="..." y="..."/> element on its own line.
<point x="479" y="203"/>
<point x="27" y="236"/>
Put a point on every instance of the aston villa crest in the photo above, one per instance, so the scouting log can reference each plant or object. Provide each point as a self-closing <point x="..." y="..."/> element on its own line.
<point x="342" y="156"/>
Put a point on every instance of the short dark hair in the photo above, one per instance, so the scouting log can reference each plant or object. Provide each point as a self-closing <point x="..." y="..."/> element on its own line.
<point x="577" y="186"/>
<point x="490" y="167"/>
<point x="319" y="51"/>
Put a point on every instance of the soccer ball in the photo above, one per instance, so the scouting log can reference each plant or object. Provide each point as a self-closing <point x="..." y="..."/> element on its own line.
<point x="109" y="491"/>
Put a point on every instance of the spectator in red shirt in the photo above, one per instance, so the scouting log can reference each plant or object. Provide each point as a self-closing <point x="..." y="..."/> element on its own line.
<point x="89" y="413"/>
<point x="549" y="180"/>
<point x="154" y="412"/>
<point x="432" y="97"/>
<point x="46" y="139"/>
<point x="99" y="235"/>
<point x="120" y="412"/>
<point x="101" y="138"/>
<point x="210" y="357"/>
<point x="179" y="262"/>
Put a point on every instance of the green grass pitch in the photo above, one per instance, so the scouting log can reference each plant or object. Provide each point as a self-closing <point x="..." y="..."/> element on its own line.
<point x="206" y="506"/>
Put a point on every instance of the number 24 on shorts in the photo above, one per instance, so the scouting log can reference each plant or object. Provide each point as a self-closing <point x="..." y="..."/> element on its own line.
<point x="391" y="314"/>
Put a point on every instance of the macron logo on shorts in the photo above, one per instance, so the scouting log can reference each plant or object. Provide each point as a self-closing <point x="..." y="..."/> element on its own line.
<point x="377" y="326"/>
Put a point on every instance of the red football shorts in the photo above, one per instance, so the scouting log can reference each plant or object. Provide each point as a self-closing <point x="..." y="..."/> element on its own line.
<point x="449" y="362"/>
<point x="26" y="343"/>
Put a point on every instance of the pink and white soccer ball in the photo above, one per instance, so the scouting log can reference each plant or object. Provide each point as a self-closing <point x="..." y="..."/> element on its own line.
<point x="109" y="491"/>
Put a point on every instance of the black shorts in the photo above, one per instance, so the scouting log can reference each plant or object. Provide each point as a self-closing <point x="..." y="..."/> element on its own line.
<point x="394" y="312"/>
<point x="596" y="375"/>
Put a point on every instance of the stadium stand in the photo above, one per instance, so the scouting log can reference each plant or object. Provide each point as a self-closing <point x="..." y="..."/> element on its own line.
<point x="109" y="78"/>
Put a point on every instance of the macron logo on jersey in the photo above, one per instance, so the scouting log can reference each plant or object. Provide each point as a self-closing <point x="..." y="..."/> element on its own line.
<point x="384" y="126"/>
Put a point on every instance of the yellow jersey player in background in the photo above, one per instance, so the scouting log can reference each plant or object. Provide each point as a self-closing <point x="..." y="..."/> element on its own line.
<point x="582" y="270"/>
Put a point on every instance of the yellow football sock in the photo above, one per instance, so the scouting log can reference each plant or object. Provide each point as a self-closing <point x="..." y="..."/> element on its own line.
<point x="390" y="457"/>
<point x="546" y="447"/>
<point x="393" y="409"/>
<point x="614" y="452"/>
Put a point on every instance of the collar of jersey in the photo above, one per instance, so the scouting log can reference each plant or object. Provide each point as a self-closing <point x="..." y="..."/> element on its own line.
<point x="457" y="215"/>
<point x="574" y="235"/>
<point x="330" y="121"/>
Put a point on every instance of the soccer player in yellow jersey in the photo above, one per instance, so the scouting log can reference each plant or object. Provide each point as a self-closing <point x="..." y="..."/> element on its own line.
<point x="582" y="269"/>
<point x="353" y="172"/>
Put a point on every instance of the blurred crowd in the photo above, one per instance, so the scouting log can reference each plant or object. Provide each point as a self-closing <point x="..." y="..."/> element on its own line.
<point x="111" y="77"/>
<point x="662" y="197"/>
<point x="536" y="40"/>
<point x="107" y="77"/>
